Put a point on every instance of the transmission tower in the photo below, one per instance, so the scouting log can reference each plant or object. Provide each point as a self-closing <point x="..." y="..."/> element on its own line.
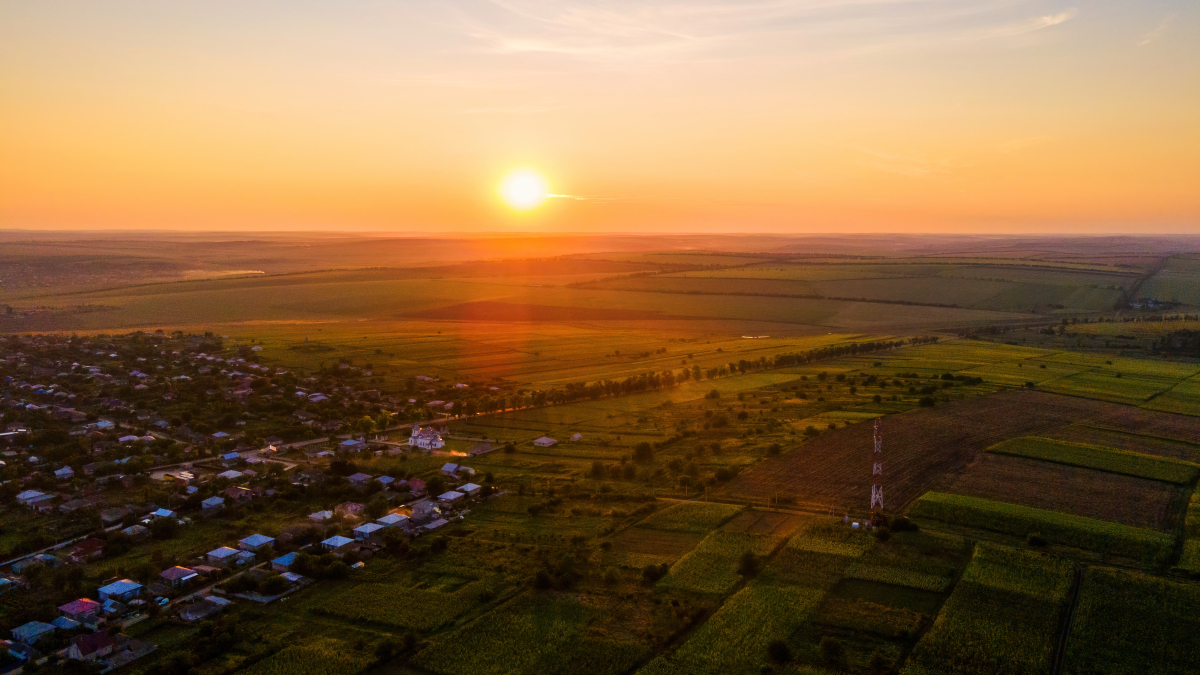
<point x="877" y="470"/>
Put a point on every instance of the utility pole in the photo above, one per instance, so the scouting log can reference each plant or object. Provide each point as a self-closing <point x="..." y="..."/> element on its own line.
<point x="877" y="470"/>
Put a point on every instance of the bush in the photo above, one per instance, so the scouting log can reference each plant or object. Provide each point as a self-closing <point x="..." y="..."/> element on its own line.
<point x="926" y="402"/>
<point x="779" y="652"/>
<point x="652" y="573"/>
<point x="713" y="394"/>
<point x="1035" y="539"/>
<point x="643" y="452"/>
<point x="748" y="565"/>
<point x="833" y="653"/>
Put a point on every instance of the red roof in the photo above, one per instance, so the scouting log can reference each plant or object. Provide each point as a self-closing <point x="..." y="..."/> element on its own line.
<point x="176" y="573"/>
<point x="90" y="644"/>
<point x="88" y="547"/>
<point x="80" y="606"/>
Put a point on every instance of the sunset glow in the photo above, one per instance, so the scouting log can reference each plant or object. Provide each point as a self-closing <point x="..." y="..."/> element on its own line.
<point x="524" y="189"/>
<point x="791" y="116"/>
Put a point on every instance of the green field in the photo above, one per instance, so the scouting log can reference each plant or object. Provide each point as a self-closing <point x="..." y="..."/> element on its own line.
<point x="1101" y="458"/>
<point x="735" y="639"/>
<point x="694" y="517"/>
<point x="1001" y="619"/>
<point x="1058" y="528"/>
<point x="1133" y="624"/>
<point x="712" y="566"/>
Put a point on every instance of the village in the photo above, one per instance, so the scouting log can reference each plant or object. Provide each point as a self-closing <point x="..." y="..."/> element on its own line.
<point x="160" y="441"/>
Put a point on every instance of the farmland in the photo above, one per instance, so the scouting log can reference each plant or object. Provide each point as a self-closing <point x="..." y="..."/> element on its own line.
<point x="1059" y="528"/>
<point x="1101" y="458"/>
<point x="1001" y="618"/>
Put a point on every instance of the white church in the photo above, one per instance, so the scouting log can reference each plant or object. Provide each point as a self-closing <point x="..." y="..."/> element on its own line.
<point x="428" y="438"/>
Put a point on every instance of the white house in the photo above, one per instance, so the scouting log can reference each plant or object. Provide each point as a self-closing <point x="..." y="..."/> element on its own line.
<point x="451" y="498"/>
<point x="320" y="516"/>
<point x="393" y="520"/>
<point x="426" y="439"/>
<point x="65" y="473"/>
<point x="545" y="442"/>
<point x="365" y="531"/>
<point x="222" y="556"/>
<point x="470" y="489"/>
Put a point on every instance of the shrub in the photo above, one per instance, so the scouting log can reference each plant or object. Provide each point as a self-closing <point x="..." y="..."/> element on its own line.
<point x="779" y="652"/>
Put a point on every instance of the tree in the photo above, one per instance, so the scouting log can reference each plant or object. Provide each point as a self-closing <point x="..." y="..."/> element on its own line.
<point x="643" y="452"/>
<point x="779" y="652"/>
<point x="748" y="565"/>
<point x="833" y="653"/>
<point x="435" y="486"/>
<point x="377" y="507"/>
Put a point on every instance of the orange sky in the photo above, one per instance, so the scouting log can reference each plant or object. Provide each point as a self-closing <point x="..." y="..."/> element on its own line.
<point x="721" y="115"/>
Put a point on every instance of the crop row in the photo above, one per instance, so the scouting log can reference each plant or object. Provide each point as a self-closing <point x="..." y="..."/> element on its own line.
<point x="735" y="639"/>
<point x="998" y="620"/>
<point x="1060" y="528"/>
<point x="712" y="567"/>
<point x="697" y="517"/>
<point x="899" y="577"/>
<point x="315" y="657"/>
<point x="1101" y="458"/>
<point x="1190" y="558"/>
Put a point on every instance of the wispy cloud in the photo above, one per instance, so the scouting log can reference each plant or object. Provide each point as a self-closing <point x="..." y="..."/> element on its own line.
<point x="644" y="31"/>
<point x="1157" y="32"/>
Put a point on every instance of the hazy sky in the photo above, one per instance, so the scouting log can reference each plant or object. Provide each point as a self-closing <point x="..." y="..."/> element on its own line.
<point x="751" y="115"/>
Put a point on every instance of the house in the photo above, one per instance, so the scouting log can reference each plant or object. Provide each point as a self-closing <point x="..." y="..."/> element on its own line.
<point x="65" y="473"/>
<point x="30" y="633"/>
<point x="162" y="513"/>
<point x="230" y="475"/>
<point x="29" y="497"/>
<point x="284" y="562"/>
<point x="367" y="531"/>
<point x="393" y="520"/>
<point x="349" y="509"/>
<point x="121" y="591"/>
<point x="86" y="550"/>
<point x="63" y="623"/>
<point x="449" y="469"/>
<point x="470" y="489"/>
<point x="417" y="487"/>
<point x="256" y="542"/>
<point x="450" y="498"/>
<point x="359" y="479"/>
<point x="178" y="576"/>
<point x="74" y="505"/>
<point x="429" y="527"/>
<point x="424" y="511"/>
<point x="545" y="442"/>
<point x="320" y="516"/>
<point x="221" y="557"/>
<point x="220" y="435"/>
<point x="385" y="481"/>
<point x="212" y="503"/>
<point x="481" y="448"/>
<point x="336" y="544"/>
<point x="91" y="646"/>
<point x="352" y="445"/>
<point x="427" y="439"/>
<point x="112" y="516"/>
<point x="136" y="531"/>
<point x="230" y="459"/>
<point x="83" y="610"/>
<point x="575" y="438"/>
<point x="240" y="494"/>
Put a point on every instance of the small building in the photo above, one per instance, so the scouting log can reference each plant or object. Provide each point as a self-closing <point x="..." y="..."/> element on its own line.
<point x="470" y="489"/>
<point x="32" y="632"/>
<point x="349" y="509"/>
<point x="320" y="516"/>
<point x="352" y="445"/>
<point x="230" y="475"/>
<point x="65" y="473"/>
<point x="545" y="442"/>
<point x="29" y="497"/>
<point x="424" y="511"/>
<point x="256" y="542"/>
<point x="481" y="448"/>
<point x="431" y="526"/>
<point x="393" y="520"/>
<point x="86" y="550"/>
<point x="162" y="513"/>
<point x="83" y="610"/>
<point x="385" y="481"/>
<point x="426" y="439"/>
<point x="121" y="591"/>
<point x="336" y="544"/>
<point x="417" y="487"/>
<point x="367" y="531"/>
<point x="359" y="479"/>
<point x="136" y="532"/>
<point x="284" y="562"/>
<point x="91" y="646"/>
<point x="178" y="576"/>
<point x="450" y="469"/>
<point x="451" y="498"/>
<point x="575" y="438"/>
<point x="230" y="458"/>
<point x="240" y="494"/>
<point x="222" y="557"/>
<point x="213" y="503"/>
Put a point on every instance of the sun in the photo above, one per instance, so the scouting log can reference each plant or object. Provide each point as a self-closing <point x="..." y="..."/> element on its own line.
<point x="524" y="189"/>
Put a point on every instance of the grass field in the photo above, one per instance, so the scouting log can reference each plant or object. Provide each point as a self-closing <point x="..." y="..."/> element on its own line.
<point x="1189" y="557"/>
<point x="1101" y="458"/>
<point x="694" y="517"/>
<point x="1001" y="619"/>
<point x="1059" y="528"/>
<point x="1133" y="624"/>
